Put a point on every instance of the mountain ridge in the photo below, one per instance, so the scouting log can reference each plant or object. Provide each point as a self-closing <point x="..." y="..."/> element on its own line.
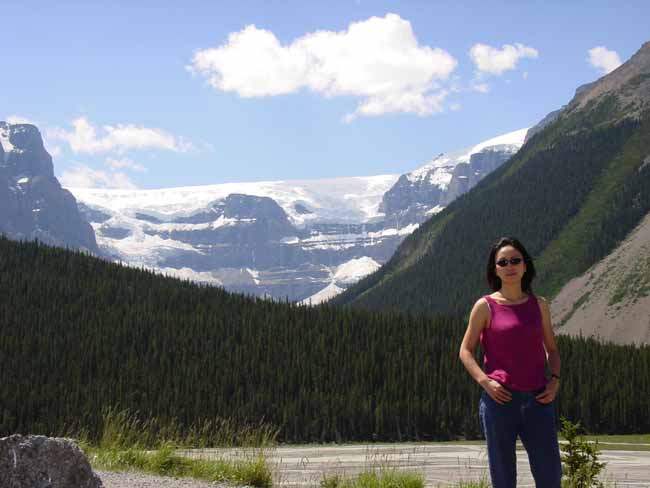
<point x="300" y="233"/>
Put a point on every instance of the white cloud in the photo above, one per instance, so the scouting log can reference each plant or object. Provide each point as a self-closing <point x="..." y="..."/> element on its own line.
<point x="378" y="59"/>
<point x="18" y="119"/>
<point x="55" y="151"/>
<point x="412" y="102"/>
<point x="495" y="61"/>
<point x="85" y="139"/>
<point x="480" y="87"/>
<point x="126" y="164"/>
<point x="83" y="176"/>
<point x="524" y="75"/>
<point x="455" y="107"/>
<point x="603" y="59"/>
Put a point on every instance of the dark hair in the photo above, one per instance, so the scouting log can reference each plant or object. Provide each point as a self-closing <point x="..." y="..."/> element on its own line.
<point x="494" y="281"/>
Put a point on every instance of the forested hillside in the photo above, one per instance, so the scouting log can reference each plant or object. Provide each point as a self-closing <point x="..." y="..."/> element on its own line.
<point x="571" y="194"/>
<point x="80" y="334"/>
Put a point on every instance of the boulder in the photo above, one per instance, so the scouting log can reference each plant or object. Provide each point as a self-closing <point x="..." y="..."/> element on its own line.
<point x="44" y="462"/>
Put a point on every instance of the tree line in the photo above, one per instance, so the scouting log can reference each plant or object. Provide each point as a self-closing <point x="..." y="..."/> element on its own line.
<point x="78" y="334"/>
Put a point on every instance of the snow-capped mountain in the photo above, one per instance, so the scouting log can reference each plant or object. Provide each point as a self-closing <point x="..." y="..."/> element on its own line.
<point x="32" y="203"/>
<point x="301" y="240"/>
<point x="430" y="188"/>
<point x="278" y="238"/>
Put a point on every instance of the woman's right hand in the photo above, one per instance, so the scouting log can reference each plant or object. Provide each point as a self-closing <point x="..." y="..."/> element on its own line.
<point x="497" y="391"/>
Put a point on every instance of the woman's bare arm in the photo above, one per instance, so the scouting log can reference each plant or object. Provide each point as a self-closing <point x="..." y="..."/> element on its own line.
<point x="478" y="319"/>
<point x="552" y="353"/>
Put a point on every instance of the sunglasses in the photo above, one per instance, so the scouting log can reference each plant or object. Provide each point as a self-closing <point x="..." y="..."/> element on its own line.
<point x="502" y="263"/>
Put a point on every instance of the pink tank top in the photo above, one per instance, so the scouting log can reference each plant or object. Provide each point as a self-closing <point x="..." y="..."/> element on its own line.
<point x="513" y="345"/>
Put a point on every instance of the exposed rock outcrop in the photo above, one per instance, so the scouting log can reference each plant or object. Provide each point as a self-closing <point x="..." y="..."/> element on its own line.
<point x="44" y="462"/>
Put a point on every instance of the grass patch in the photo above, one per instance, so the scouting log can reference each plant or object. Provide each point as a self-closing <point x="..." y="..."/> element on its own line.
<point x="627" y="438"/>
<point x="391" y="479"/>
<point x="125" y="442"/>
<point x="373" y="479"/>
<point x="631" y="442"/>
<point x="124" y="428"/>
<point x="164" y="462"/>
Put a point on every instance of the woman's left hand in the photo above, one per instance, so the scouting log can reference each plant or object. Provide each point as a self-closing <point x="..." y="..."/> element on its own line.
<point x="548" y="395"/>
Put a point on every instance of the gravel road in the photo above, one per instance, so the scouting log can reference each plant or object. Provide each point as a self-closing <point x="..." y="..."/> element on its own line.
<point x="441" y="464"/>
<point x="131" y="479"/>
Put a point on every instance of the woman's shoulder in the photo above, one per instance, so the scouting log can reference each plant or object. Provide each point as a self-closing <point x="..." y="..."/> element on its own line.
<point x="482" y="305"/>
<point x="480" y="314"/>
<point x="543" y="304"/>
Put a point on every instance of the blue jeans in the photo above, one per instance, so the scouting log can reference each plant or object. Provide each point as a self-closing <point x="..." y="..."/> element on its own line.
<point x="534" y="423"/>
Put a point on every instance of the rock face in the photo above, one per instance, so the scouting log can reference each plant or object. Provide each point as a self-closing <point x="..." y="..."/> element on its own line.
<point x="32" y="203"/>
<point x="44" y="462"/>
<point x="301" y="240"/>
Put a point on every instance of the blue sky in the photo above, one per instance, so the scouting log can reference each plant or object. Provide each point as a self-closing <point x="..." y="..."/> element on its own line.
<point x="160" y="94"/>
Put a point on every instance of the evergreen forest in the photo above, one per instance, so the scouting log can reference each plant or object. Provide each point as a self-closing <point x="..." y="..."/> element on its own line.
<point x="79" y="334"/>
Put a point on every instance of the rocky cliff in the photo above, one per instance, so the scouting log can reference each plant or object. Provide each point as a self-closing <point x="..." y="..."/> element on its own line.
<point x="33" y="205"/>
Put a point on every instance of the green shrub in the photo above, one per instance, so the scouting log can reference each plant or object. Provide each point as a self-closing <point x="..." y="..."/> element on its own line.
<point x="581" y="466"/>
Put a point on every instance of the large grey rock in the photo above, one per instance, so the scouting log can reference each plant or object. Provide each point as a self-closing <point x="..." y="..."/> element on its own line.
<point x="44" y="462"/>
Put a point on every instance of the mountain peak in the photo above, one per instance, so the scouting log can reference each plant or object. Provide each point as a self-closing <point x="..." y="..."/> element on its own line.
<point x="34" y="206"/>
<point x="630" y="82"/>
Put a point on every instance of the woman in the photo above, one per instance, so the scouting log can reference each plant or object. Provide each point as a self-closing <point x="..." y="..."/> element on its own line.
<point x="516" y="335"/>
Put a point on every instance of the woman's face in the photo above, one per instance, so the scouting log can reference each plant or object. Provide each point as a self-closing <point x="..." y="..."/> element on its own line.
<point x="510" y="273"/>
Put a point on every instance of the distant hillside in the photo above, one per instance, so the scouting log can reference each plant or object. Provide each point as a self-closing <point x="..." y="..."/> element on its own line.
<point x="611" y="300"/>
<point x="572" y="193"/>
<point x="80" y="334"/>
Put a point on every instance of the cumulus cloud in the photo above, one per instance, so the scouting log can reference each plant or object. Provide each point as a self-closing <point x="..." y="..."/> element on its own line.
<point x="85" y="138"/>
<point x="83" y="176"/>
<point x="125" y="163"/>
<point x="603" y="59"/>
<point x="378" y="59"/>
<point x="495" y="61"/>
